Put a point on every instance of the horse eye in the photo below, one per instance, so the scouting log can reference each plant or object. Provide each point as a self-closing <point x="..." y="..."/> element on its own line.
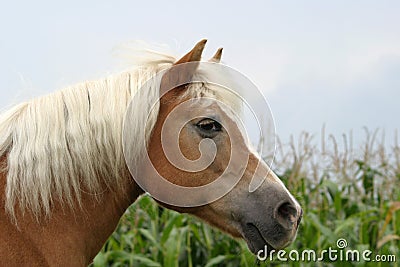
<point x="209" y="125"/>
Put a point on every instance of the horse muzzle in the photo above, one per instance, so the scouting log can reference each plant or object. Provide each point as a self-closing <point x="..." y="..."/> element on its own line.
<point x="273" y="225"/>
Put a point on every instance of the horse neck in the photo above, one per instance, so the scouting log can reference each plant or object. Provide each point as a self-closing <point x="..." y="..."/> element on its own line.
<point x="69" y="236"/>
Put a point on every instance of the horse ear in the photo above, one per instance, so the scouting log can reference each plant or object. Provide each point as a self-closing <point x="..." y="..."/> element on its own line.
<point x="183" y="74"/>
<point x="194" y="54"/>
<point x="217" y="56"/>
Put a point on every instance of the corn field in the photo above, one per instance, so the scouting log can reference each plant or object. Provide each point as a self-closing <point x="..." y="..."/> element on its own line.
<point x="346" y="192"/>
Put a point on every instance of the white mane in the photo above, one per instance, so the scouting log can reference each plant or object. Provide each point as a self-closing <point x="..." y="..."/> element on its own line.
<point x="60" y="145"/>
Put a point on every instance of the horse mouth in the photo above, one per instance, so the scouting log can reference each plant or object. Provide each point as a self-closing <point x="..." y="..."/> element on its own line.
<point x="255" y="240"/>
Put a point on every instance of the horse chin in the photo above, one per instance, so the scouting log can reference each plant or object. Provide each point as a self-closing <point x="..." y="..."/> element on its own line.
<point x="255" y="241"/>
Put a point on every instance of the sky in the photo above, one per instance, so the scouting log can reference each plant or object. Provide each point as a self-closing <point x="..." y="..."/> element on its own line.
<point x="332" y="63"/>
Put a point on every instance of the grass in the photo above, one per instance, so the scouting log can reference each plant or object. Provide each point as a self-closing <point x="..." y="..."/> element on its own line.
<point x="345" y="193"/>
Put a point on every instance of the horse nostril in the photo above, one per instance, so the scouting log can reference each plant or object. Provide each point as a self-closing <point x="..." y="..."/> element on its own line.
<point x="287" y="214"/>
<point x="300" y="217"/>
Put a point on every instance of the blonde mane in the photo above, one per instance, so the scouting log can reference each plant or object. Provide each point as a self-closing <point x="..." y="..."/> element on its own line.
<point x="68" y="143"/>
<point x="60" y="145"/>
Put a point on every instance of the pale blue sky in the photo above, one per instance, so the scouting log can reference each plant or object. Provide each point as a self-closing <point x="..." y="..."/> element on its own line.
<point x="317" y="62"/>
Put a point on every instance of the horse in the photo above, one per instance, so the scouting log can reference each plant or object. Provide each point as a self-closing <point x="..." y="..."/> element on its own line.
<point x="65" y="182"/>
